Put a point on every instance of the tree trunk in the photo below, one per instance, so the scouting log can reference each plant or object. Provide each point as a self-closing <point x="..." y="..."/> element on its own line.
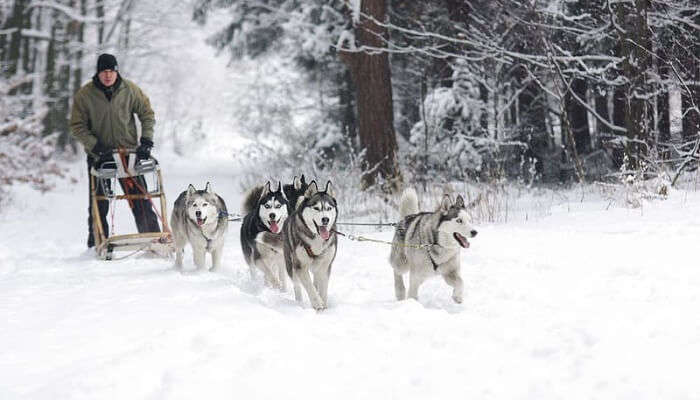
<point x="100" y="12"/>
<point x="690" y="100"/>
<point x="635" y="47"/>
<point x="578" y="116"/>
<point x="372" y="77"/>
<point x="15" y="22"/>
<point x="663" y="111"/>
<point x="346" y="98"/>
<point x="618" y="117"/>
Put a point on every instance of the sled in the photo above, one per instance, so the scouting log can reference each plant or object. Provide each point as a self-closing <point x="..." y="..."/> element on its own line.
<point x="126" y="165"/>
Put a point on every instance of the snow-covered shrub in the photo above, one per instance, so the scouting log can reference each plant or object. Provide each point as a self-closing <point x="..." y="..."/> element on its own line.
<point x="25" y="155"/>
<point x="346" y="175"/>
<point x="633" y="186"/>
<point x="451" y="142"/>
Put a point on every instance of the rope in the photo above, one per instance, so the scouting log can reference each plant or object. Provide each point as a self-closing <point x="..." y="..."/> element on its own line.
<point x="368" y="224"/>
<point x="233" y="216"/>
<point x="365" y="239"/>
<point x="144" y="247"/>
<point x="111" y="207"/>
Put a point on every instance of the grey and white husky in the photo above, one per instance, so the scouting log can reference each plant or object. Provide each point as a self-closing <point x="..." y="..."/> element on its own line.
<point x="429" y="243"/>
<point x="199" y="218"/>
<point x="310" y="244"/>
<point x="261" y="233"/>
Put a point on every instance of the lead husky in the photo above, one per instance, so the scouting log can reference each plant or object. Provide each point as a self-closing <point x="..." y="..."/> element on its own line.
<point x="199" y="218"/>
<point x="261" y="239"/>
<point x="310" y="246"/>
<point x="445" y="231"/>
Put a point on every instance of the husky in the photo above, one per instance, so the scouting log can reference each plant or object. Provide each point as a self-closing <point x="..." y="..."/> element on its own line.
<point x="293" y="192"/>
<point x="426" y="244"/>
<point x="310" y="244"/>
<point x="199" y="217"/>
<point x="261" y="239"/>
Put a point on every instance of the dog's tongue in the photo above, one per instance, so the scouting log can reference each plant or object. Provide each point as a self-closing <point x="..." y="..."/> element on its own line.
<point x="325" y="234"/>
<point x="273" y="227"/>
<point x="462" y="240"/>
<point x="200" y="221"/>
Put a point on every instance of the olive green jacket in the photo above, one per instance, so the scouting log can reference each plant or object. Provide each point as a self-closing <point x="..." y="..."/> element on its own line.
<point x="94" y="118"/>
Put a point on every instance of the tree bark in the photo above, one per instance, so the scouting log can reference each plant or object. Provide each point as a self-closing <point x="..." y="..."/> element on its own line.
<point x="16" y="20"/>
<point x="663" y="111"/>
<point x="578" y="116"/>
<point x="372" y="77"/>
<point x="635" y="47"/>
<point x="690" y="101"/>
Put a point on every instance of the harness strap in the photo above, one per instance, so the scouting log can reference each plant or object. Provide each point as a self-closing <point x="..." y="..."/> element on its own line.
<point x="435" y="266"/>
<point x="309" y="252"/>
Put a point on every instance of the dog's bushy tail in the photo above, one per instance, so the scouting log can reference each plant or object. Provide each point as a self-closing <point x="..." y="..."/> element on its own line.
<point x="409" y="203"/>
<point x="250" y="199"/>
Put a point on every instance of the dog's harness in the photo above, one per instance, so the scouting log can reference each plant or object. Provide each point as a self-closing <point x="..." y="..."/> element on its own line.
<point x="310" y="252"/>
<point x="435" y="266"/>
<point x="201" y="231"/>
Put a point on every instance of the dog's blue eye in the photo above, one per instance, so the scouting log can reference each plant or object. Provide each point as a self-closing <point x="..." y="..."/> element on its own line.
<point x="267" y="206"/>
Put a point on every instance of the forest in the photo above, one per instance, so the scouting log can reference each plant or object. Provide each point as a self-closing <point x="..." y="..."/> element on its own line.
<point x="542" y="92"/>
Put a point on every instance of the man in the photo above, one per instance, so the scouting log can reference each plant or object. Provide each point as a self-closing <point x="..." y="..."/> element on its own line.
<point x="102" y="120"/>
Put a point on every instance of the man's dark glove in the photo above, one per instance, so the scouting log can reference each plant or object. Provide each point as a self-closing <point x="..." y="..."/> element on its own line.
<point x="101" y="154"/>
<point x="103" y="158"/>
<point x="144" y="150"/>
<point x="100" y="149"/>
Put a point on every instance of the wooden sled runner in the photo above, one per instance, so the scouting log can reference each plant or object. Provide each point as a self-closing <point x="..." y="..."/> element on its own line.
<point x="126" y="165"/>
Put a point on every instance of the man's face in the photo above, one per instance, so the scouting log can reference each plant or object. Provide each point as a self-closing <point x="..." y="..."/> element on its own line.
<point x="107" y="77"/>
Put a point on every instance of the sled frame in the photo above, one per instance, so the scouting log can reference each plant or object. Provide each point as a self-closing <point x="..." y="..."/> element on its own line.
<point x="158" y="242"/>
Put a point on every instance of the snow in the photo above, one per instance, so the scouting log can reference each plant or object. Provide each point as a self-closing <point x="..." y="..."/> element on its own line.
<point x="581" y="302"/>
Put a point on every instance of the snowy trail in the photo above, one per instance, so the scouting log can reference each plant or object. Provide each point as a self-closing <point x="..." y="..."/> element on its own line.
<point x="583" y="303"/>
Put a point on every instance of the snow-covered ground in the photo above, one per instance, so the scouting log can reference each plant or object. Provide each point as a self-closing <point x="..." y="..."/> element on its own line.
<point x="582" y="302"/>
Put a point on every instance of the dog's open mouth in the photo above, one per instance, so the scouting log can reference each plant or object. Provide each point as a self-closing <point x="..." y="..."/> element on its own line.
<point x="323" y="231"/>
<point x="461" y="240"/>
<point x="201" y="221"/>
<point x="274" y="228"/>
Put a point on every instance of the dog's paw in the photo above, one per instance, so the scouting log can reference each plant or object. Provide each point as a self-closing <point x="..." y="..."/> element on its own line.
<point x="457" y="299"/>
<point x="319" y="306"/>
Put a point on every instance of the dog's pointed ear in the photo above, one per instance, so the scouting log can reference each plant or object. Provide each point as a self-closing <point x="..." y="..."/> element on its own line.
<point x="191" y="190"/>
<point x="446" y="203"/>
<point x="279" y="187"/>
<point x="296" y="183"/>
<point x="207" y="188"/>
<point x="459" y="202"/>
<point x="329" y="189"/>
<point x="266" y="190"/>
<point x="311" y="190"/>
<point x="303" y="179"/>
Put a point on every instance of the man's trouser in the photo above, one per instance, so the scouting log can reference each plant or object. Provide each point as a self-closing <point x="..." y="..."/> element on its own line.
<point x="146" y="219"/>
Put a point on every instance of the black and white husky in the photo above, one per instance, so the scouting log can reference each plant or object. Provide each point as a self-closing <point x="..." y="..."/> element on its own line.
<point x="294" y="191"/>
<point x="310" y="244"/>
<point x="261" y="239"/>
<point x="199" y="218"/>
<point x="429" y="243"/>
